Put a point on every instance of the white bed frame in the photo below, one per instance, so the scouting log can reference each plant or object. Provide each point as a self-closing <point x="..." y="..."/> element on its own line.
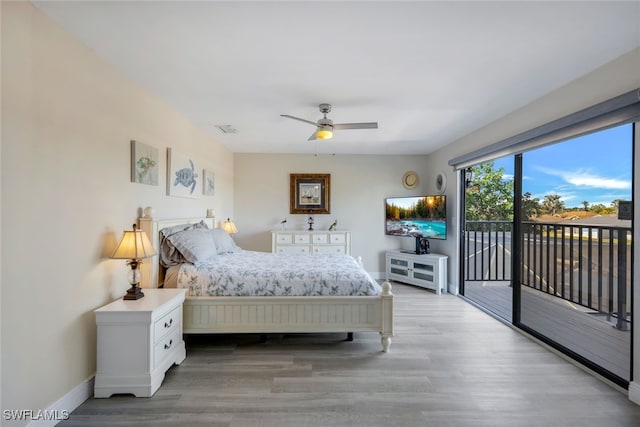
<point x="273" y="314"/>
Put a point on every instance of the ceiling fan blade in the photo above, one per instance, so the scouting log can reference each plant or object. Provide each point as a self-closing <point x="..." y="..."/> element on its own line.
<point x="313" y="135"/>
<point x="299" y="119"/>
<point x="369" y="125"/>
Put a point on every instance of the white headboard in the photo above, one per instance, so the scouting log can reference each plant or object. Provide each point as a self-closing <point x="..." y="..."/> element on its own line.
<point x="151" y="270"/>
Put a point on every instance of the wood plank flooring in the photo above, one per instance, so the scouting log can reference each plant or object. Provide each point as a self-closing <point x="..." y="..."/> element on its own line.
<point x="450" y="365"/>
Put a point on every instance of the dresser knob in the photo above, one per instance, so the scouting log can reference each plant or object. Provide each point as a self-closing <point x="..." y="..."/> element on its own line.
<point x="169" y="323"/>
<point x="168" y="346"/>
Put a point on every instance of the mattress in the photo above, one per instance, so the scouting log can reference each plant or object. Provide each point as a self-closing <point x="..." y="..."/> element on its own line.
<point x="250" y="273"/>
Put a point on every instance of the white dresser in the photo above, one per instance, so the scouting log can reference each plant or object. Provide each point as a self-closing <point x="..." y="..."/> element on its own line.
<point x="138" y="341"/>
<point x="311" y="242"/>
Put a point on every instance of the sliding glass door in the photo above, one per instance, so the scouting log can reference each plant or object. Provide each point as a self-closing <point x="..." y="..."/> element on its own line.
<point x="575" y="246"/>
<point x="558" y="262"/>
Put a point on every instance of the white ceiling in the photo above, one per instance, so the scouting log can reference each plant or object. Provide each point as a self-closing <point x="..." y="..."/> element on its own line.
<point x="428" y="72"/>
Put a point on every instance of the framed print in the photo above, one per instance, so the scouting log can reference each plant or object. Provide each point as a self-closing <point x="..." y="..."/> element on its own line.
<point x="208" y="183"/>
<point x="309" y="193"/>
<point x="182" y="178"/>
<point x="144" y="163"/>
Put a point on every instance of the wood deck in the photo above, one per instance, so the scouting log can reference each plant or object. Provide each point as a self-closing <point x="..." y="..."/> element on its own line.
<point x="585" y="332"/>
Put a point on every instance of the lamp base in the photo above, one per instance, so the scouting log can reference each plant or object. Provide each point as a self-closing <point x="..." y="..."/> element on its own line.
<point x="133" y="293"/>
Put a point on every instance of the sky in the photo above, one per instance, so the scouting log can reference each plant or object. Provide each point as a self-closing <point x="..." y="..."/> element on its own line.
<point x="596" y="168"/>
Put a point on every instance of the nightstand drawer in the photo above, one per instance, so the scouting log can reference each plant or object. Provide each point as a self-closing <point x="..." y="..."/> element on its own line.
<point x="167" y="323"/>
<point x="165" y="347"/>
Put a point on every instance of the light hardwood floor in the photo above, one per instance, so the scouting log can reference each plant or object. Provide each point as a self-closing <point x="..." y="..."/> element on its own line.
<point x="450" y="364"/>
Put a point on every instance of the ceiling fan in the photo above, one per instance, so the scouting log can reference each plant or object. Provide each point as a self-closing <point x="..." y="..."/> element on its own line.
<point x="325" y="126"/>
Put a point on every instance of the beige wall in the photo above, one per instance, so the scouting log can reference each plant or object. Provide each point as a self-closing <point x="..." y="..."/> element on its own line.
<point x="359" y="185"/>
<point x="67" y="119"/>
<point x="615" y="78"/>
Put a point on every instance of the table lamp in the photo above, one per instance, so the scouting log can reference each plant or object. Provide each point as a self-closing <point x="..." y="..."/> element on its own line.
<point x="134" y="246"/>
<point x="230" y="227"/>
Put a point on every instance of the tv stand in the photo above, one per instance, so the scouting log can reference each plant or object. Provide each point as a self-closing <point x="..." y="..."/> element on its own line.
<point x="426" y="270"/>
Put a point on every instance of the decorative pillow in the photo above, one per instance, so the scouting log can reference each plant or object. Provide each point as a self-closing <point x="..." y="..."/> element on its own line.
<point x="196" y="245"/>
<point x="169" y="255"/>
<point x="224" y="242"/>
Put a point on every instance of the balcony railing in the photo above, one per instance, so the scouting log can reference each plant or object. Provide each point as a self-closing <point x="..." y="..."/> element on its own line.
<point x="587" y="265"/>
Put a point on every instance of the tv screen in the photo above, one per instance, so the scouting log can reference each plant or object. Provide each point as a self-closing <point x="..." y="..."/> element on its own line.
<point x="424" y="216"/>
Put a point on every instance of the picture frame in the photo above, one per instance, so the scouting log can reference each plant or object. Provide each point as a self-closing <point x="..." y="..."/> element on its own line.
<point x="182" y="175"/>
<point x="208" y="183"/>
<point x="144" y="163"/>
<point x="309" y="193"/>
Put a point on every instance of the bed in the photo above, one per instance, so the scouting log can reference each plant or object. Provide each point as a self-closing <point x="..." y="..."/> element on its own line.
<point x="241" y="301"/>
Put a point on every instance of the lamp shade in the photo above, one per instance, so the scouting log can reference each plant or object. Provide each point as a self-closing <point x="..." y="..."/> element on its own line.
<point x="230" y="227"/>
<point x="134" y="245"/>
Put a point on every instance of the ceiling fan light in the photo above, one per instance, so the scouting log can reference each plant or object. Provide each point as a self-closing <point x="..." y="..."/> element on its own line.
<point x="324" y="133"/>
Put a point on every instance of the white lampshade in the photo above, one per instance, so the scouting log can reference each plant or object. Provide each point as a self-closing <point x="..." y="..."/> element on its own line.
<point x="230" y="227"/>
<point x="134" y="245"/>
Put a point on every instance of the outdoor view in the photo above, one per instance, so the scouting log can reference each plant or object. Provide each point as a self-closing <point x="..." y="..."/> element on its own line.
<point x="574" y="252"/>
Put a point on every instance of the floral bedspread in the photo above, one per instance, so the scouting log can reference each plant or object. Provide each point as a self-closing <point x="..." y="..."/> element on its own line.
<point x="249" y="273"/>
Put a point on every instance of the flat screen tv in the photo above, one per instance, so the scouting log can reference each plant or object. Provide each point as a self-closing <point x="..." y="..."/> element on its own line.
<point x="423" y="216"/>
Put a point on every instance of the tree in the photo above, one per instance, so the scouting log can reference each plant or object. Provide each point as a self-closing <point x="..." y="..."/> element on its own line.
<point x="586" y="205"/>
<point x="530" y="207"/>
<point x="490" y="195"/>
<point x="552" y="204"/>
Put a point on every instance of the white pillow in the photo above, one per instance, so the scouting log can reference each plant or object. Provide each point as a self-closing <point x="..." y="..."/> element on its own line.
<point x="224" y="242"/>
<point x="197" y="245"/>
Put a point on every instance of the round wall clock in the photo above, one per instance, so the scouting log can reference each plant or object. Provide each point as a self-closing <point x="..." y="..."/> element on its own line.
<point x="410" y="180"/>
<point x="441" y="182"/>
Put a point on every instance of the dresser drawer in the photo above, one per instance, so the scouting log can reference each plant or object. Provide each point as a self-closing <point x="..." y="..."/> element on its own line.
<point x="301" y="239"/>
<point x="167" y="323"/>
<point x="285" y="239"/>
<point x="163" y="348"/>
<point x="337" y="239"/>
<point x="320" y="239"/>
<point x="328" y="249"/>
<point x="293" y="249"/>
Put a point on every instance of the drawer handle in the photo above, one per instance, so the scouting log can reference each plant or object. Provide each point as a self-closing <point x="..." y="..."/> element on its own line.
<point x="168" y="346"/>
<point x="169" y="323"/>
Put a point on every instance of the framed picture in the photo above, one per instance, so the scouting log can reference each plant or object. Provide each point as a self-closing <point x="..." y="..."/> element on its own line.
<point x="182" y="178"/>
<point x="208" y="183"/>
<point x="144" y="163"/>
<point x="309" y="193"/>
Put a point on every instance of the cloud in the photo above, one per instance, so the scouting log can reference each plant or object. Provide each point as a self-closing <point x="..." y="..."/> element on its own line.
<point x="581" y="178"/>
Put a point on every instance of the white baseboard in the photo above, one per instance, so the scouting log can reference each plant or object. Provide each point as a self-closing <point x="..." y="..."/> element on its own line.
<point x="66" y="404"/>
<point x="634" y="392"/>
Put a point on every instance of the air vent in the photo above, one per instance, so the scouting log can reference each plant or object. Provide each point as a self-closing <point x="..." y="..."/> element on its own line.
<point x="227" y="129"/>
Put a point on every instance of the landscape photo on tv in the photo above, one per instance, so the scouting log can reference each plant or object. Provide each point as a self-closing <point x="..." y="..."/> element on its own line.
<point x="424" y="216"/>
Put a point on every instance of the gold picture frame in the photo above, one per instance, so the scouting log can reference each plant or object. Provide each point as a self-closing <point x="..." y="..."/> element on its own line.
<point x="310" y="193"/>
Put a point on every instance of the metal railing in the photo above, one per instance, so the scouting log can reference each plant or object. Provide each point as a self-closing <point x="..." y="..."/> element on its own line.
<point x="587" y="265"/>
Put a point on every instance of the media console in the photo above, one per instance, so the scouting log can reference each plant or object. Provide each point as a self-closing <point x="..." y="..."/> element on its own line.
<point x="425" y="270"/>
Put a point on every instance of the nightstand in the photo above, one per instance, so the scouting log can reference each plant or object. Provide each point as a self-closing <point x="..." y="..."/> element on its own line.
<point x="138" y="341"/>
